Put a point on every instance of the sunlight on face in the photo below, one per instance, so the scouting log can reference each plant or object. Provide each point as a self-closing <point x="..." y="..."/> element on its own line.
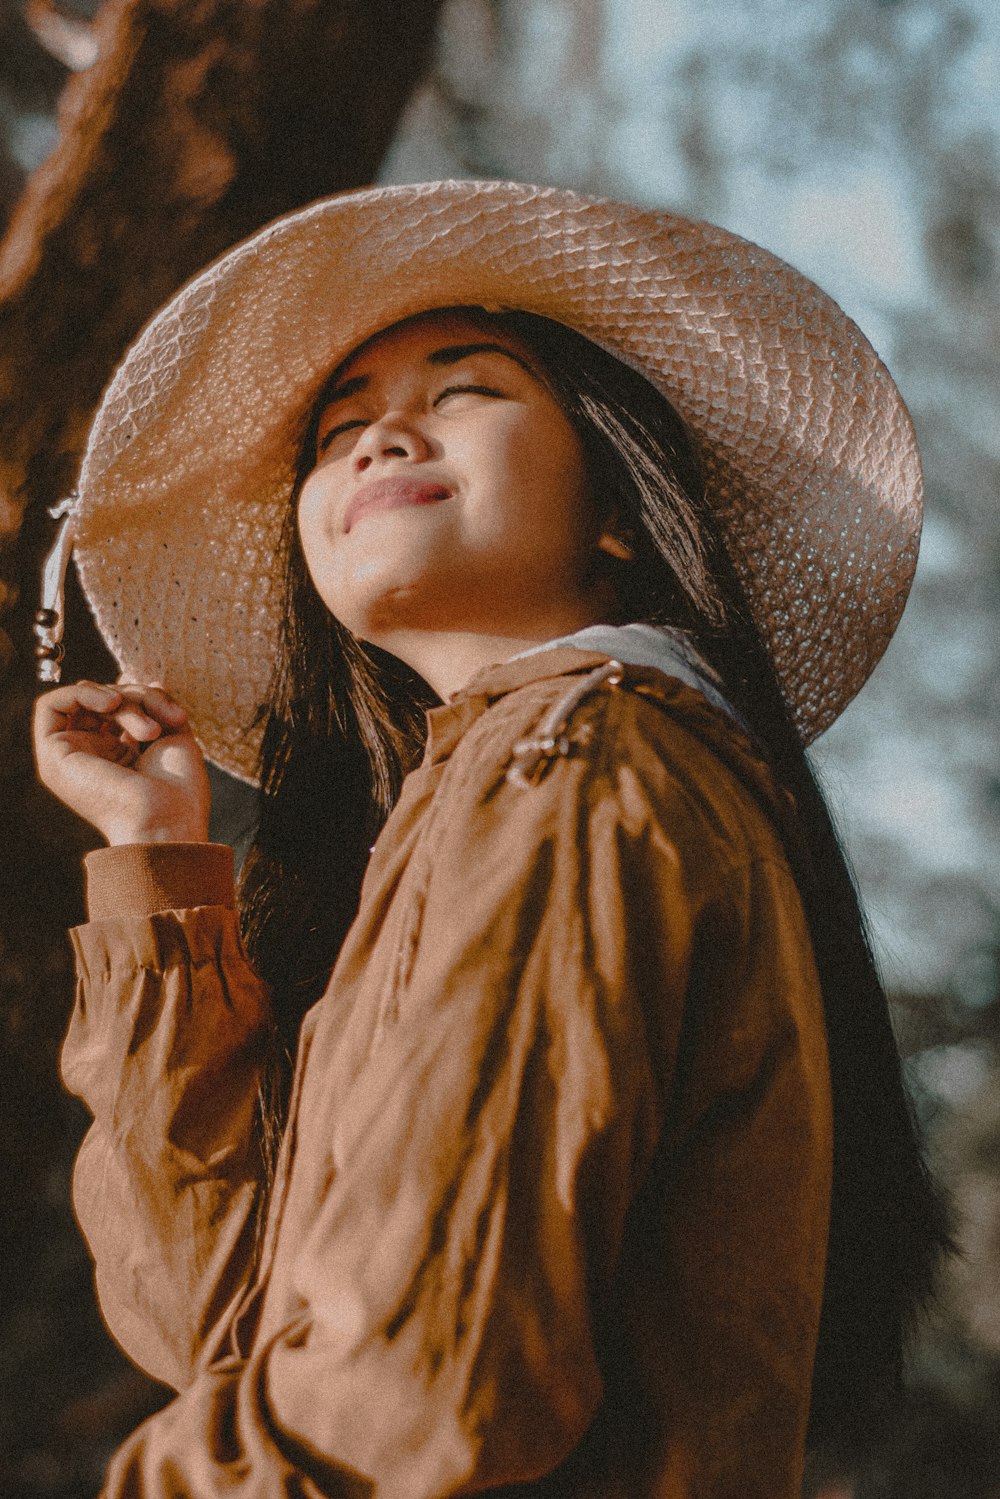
<point x="449" y="492"/>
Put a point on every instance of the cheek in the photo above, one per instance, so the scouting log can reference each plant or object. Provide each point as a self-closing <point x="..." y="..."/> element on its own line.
<point x="316" y="534"/>
<point x="521" y="455"/>
<point x="549" y="499"/>
<point x="321" y="501"/>
<point x="308" y="516"/>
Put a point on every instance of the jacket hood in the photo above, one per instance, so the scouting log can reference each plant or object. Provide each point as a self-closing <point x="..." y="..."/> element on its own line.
<point x="666" y="649"/>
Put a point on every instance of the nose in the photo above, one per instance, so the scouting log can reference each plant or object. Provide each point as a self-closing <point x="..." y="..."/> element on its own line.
<point x="393" y="435"/>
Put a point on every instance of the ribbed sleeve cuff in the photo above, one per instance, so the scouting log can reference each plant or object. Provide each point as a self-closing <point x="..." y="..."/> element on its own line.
<point x="138" y="879"/>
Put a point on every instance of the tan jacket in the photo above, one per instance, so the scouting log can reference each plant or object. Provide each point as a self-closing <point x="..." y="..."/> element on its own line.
<point x="552" y="1201"/>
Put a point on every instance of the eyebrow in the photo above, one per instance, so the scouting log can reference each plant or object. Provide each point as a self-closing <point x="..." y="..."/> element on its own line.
<point x="451" y="354"/>
<point x="454" y="352"/>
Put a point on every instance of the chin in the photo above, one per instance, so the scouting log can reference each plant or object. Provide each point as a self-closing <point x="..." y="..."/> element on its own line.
<point x="384" y="614"/>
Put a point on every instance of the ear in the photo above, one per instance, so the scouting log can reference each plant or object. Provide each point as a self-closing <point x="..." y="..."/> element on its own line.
<point x="616" y="546"/>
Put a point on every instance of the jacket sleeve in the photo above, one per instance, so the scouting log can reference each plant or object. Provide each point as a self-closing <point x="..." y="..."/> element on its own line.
<point x="166" y="1047"/>
<point x="471" y="1208"/>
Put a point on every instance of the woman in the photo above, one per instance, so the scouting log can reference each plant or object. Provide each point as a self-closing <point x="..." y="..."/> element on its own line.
<point x="596" y="1175"/>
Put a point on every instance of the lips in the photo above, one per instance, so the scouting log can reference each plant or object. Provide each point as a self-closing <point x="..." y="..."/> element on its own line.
<point x="390" y="494"/>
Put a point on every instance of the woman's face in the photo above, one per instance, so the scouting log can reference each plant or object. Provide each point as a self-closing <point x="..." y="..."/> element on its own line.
<point x="449" y="493"/>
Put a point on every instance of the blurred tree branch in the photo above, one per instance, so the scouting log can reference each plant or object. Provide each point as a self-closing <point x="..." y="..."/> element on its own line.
<point x="32" y="75"/>
<point x="69" y="39"/>
<point x="199" y="121"/>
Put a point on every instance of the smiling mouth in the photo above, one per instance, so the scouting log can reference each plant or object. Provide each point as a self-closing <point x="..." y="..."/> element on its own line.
<point x="391" y="494"/>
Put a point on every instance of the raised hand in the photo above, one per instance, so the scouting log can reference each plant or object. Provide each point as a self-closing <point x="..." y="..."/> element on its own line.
<point x="125" y="760"/>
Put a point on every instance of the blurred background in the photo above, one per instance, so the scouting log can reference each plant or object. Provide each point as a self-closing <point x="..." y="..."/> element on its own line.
<point x="858" y="139"/>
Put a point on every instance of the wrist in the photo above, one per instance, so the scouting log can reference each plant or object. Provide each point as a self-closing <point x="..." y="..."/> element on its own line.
<point x="121" y="834"/>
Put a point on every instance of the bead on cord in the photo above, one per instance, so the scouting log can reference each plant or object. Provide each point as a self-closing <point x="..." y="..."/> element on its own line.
<point x="50" y="616"/>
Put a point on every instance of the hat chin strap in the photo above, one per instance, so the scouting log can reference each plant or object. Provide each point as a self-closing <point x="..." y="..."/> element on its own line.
<point x="50" y="617"/>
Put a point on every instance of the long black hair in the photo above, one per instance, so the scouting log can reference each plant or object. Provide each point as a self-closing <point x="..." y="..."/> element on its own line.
<point x="346" y="723"/>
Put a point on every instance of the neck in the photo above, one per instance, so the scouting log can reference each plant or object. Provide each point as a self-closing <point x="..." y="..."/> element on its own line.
<point x="448" y="659"/>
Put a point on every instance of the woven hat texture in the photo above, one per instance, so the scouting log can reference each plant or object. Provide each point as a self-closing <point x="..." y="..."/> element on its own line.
<point x="809" y="450"/>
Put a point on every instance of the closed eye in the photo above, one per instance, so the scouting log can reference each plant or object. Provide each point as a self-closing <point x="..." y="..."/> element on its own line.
<point x="449" y="390"/>
<point x="477" y="390"/>
<point x="328" y="437"/>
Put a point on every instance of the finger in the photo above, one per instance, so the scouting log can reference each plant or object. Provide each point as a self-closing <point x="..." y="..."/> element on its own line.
<point x="127" y="751"/>
<point x="156" y="701"/>
<point x="53" y="709"/>
<point x="135" y="723"/>
<point x="86" y="721"/>
<point x="127" y="716"/>
<point x="115" y="749"/>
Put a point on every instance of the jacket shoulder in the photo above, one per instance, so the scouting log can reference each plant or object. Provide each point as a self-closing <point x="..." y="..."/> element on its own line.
<point x="654" y="743"/>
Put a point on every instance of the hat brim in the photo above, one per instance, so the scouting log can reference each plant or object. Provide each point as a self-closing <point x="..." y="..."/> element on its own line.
<point x="808" y="448"/>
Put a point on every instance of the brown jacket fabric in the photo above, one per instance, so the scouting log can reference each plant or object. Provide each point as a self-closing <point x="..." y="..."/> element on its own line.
<point x="551" y="1207"/>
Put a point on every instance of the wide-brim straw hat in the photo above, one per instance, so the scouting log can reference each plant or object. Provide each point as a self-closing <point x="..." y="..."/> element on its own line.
<point x="808" y="449"/>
